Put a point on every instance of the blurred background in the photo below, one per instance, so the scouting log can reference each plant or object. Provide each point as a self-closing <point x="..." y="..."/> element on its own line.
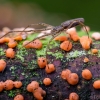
<point x="20" y="13"/>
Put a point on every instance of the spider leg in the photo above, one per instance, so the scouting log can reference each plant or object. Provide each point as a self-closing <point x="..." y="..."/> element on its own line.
<point x="43" y="24"/>
<point x="38" y="38"/>
<point x="80" y="23"/>
<point x="48" y="27"/>
<point x="35" y="30"/>
<point x="38" y="30"/>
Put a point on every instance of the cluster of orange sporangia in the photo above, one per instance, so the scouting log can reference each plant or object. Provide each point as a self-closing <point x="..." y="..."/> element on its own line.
<point x="10" y="53"/>
<point x="33" y="87"/>
<point x="12" y="42"/>
<point x="72" y="78"/>
<point x="86" y="74"/>
<point x="37" y="91"/>
<point x="42" y="63"/>
<point x="9" y="84"/>
<point x="66" y="45"/>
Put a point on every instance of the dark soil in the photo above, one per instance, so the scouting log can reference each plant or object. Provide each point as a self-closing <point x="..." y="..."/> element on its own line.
<point x="28" y="71"/>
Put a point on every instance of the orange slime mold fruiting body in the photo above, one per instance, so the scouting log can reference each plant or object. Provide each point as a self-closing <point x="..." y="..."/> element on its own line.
<point x="42" y="62"/>
<point x="2" y="65"/>
<point x="86" y="74"/>
<point x="66" y="45"/>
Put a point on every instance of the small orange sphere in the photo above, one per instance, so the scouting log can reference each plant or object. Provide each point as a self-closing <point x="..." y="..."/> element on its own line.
<point x="40" y="90"/>
<point x="85" y="42"/>
<point x="29" y="88"/>
<point x="12" y="44"/>
<point x="65" y="74"/>
<point x="39" y="93"/>
<point x="10" y="53"/>
<point x="74" y="37"/>
<point x="28" y="45"/>
<point x="73" y="79"/>
<point x="6" y="39"/>
<point x="19" y="97"/>
<point x="35" y="83"/>
<point x="50" y="68"/>
<point x="61" y="38"/>
<point x="2" y="40"/>
<point x="86" y="74"/>
<point x="32" y="86"/>
<point x="18" y="38"/>
<point x="17" y="84"/>
<point x="8" y="85"/>
<point x="96" y="84"/>
<point x="1" y="86"/>
<point x="86" y="60"/>
<point x="73" y="96"/>
<point x="47" y="81"/>
<point x="94" y="51"/>
<point x="37" y="44"/>
<point x="73" y="34"/>
<point x="42" y="62"/>
<point x="2" y="65"/>
<point x="66" y="45"/>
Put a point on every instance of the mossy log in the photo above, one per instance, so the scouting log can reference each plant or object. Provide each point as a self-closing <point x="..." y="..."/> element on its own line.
<point x="24" y="68"/>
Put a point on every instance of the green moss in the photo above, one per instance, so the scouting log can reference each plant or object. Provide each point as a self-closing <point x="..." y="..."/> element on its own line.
<point x="21" y="53"/>
<point x="2" y="53"/>
<point x="20" y="57"/>
<point x="42" y="52"/>
<point x="76" y="53"/>
<point x="32" y="65"/>
<point x="12" y="93"/>
<point x="54" y="44"/>
<point x="82" y="33"/>
<point x="89" y="52"/>
<point x="12" y="68"/>
<point x="35" y="74"/>
<point x="58" y="55"/>
<point x="32" y="36"/>
<point x="98" y="53"/>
